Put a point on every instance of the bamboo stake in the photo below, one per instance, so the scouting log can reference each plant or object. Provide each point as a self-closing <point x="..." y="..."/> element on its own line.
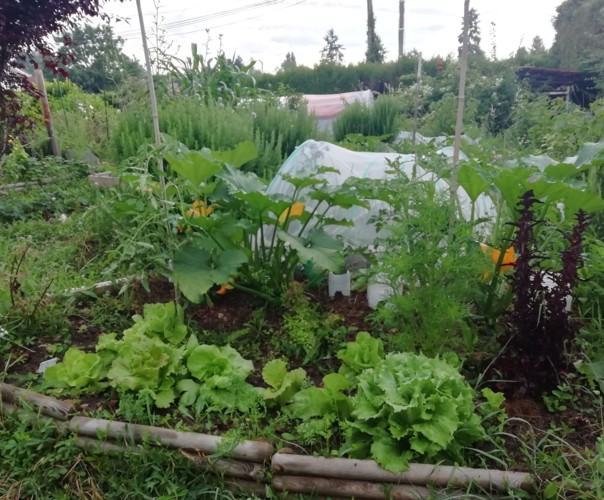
<point x="8" y="408"/>
<point x="156" y="133"/>
<point x="22" y="185"/>
<point x="92" y="444"/>
<point x="45" y="404"/>
<point x="348" y="488"/>
<point x="422" y="474"/>
<point x="253" y="451"/>
<point x="461" y="98"/>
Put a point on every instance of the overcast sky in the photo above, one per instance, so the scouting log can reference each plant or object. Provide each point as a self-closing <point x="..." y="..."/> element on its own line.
<point x="266" y="30"/>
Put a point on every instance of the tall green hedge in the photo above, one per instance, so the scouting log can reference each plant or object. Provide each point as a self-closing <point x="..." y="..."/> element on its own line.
<point x="331" y="78"/>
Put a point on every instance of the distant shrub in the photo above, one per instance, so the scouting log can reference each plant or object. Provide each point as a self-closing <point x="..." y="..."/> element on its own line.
<point x="378" y="120"/>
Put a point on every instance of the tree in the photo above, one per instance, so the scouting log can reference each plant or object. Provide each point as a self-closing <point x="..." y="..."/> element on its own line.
<point x="332" y="52"/>
<point x="473" y="35"/>
<point x="579" y="40"/>
<point x="538" y="47"/>
<point x="289" y="62"/>
<point x="99" y="62"/>
<point x="24" y="29"/>
<point x="375" y="50"/>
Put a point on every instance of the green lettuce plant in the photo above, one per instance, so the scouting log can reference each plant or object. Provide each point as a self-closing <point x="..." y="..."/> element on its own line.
<point x="283" y="384"/>
<point x="411" y="407"/>
<point x="219" y="380"/>
<point x="143" y="362"/>
<point x="321" y="409"/>
<point x="365" y="352"/>
<point x="165" y="321"/>
<point x="77" y="371"/>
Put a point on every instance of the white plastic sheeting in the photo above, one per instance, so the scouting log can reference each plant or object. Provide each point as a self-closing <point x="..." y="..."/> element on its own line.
<point x="311" y="155"/>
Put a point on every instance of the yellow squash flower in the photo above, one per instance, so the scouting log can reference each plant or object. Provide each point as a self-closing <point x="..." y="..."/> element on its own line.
<point x="200" y="209"/>
<point x="509" y="258"/>
<point x="296" y="210"/>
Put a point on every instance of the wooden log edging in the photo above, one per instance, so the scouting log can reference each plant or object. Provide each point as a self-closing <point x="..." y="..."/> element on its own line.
<point x="417" y="474"/>
<point x="248" y="465"/>
<point x="20" y="186"/>
<point x="252" y="451"/>
<point x="327" y="486"/>
<point x="51" y="407"/>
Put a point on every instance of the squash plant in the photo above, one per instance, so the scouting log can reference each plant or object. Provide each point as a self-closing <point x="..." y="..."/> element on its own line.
<point x="247" y="240"/>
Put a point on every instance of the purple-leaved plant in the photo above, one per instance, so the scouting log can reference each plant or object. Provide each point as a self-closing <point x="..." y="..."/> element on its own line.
<point x="539" y="325"/>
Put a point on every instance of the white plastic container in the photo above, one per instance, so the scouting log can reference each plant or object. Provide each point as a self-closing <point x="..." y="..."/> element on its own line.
<point x="338" y="283"/>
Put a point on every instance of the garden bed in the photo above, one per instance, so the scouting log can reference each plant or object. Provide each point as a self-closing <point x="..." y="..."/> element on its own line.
<point x="529" y="421"/>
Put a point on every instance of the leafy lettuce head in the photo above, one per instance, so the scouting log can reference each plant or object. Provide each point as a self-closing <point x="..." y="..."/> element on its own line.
<point x="411" y="406"/>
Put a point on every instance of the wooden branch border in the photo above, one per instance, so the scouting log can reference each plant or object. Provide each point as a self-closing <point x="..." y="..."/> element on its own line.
<point x="251" y="466"/>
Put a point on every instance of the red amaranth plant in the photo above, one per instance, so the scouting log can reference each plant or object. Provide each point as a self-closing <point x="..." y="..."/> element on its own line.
<point x="540" y="325"/>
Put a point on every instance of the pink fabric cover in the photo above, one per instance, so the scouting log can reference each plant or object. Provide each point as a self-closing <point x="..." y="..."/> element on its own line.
<point x="331" y="105"/>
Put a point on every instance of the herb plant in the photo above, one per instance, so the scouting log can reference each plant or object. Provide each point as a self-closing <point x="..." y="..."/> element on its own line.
<point x="322" y="410"/>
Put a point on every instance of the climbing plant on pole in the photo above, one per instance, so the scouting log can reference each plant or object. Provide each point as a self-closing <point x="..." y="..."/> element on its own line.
<point x="24" y="28"/>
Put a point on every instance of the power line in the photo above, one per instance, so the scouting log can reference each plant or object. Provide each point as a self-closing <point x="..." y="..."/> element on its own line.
<point x="233" y="22"/>
<point x="209" y="17"/>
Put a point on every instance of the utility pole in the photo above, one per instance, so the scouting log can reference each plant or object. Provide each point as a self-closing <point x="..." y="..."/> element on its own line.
<point x="401" y="27"/>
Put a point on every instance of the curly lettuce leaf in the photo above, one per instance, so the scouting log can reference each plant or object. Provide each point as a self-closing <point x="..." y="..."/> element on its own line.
<point x="365" y="352"/>
<point x="283" y="384"/>
<point x="410" y="406"/>
<point x="78" y="370"/>
<point x="217" y="366"/>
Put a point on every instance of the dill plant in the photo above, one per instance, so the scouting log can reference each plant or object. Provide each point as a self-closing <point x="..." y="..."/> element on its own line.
<point x="434" y="269"/>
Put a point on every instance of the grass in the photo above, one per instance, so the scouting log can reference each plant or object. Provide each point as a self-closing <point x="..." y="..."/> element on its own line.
<point x="51" y="255"/>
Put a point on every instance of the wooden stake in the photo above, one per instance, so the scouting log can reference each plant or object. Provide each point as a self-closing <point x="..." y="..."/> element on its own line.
<point x="150" y="84"/>
<point x="157" y="135"/>
<point x="38" y="78"/>
<point x="253" y="451"/>
<point x="418" y="85"/>
<point x="461" y="98"/>
<point x="418" y="474"/>
<point x="45" y="404"/>
<point x="348" y="488"/>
